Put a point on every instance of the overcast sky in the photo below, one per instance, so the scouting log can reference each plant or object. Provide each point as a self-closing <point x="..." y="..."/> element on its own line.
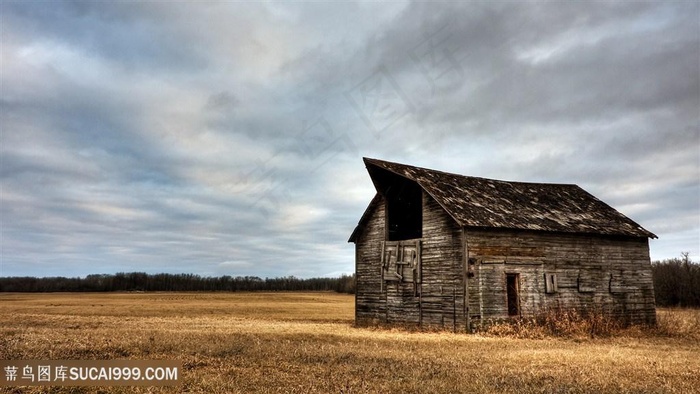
<point x="227" y="138"/>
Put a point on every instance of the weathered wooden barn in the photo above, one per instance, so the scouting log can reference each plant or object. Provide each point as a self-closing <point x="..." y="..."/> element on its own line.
<point x="440" y="250"/>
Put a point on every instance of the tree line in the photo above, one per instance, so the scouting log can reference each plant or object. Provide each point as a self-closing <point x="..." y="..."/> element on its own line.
<point x="141" y="281"/>
<point x="677" y="282"/>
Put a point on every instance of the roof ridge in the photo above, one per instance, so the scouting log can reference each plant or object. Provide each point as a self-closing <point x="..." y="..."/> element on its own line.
<point x="483" y="202"/>
<point x="468" y="176"/>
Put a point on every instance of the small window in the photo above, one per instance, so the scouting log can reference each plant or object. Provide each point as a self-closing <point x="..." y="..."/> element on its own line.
<point x="550" y="283"/>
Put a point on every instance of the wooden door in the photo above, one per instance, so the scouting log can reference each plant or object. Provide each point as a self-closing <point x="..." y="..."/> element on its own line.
<point x="512" y="290"/>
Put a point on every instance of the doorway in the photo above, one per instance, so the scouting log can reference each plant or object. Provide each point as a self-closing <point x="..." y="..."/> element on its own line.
<point x="512" y="290"/>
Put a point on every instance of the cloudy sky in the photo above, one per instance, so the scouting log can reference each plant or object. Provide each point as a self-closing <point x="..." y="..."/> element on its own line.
<point x="227" y="138"/>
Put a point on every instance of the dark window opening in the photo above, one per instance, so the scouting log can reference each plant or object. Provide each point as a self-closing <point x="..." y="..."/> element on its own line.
<point x="404" y="204"/>
<point x="512" y="287"/>
<point x="404" y="211"/>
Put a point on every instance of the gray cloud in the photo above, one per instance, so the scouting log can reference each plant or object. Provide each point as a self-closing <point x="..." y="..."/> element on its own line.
<point x="227" y="138"/>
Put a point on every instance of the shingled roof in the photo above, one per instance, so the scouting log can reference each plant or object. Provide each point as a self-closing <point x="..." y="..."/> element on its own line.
<point x="487" y="203"/>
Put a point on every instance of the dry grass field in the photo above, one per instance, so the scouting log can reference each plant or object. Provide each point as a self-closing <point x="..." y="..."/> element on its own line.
<point x="306" y="343"/>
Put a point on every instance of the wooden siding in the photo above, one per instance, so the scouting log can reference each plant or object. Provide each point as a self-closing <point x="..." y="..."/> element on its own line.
<point x="611" y="274"/>
<point x="442" y="289"/>
<point x="434" y="301"/>
<point x="370" y="299"/>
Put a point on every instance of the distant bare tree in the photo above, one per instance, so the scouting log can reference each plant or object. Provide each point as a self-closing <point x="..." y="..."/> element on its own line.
<point x="677" y="281"/>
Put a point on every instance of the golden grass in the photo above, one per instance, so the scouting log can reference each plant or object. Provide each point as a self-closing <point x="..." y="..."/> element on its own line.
<point x="306" y="343"/>
<point x="571" y="324"/>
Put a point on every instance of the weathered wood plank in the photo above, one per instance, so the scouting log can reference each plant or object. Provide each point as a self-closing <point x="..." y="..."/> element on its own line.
<point x="590" y="270"/>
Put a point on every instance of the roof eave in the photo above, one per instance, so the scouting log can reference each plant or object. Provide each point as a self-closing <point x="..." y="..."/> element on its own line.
<point x="364" y="218"/>
<point x="645" y="234"/>
<point x="377" y="163"/>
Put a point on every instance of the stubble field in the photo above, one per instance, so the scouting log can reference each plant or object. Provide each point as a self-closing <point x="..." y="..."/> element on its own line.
<point x="306" y="343"/>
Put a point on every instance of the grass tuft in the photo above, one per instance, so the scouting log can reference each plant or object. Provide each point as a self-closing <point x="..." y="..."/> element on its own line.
<point x="562" y="323"/>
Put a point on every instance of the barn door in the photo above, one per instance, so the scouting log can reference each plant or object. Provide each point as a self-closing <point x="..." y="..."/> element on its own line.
<point x="401" y="261"/>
